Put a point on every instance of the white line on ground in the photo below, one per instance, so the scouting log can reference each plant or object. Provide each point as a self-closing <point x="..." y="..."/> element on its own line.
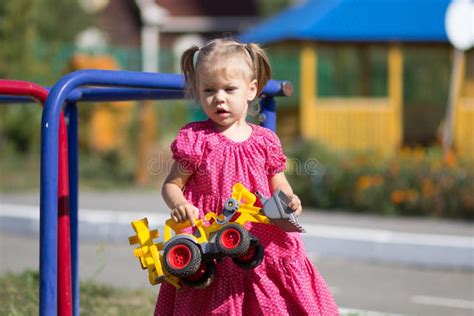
<point x="85" y="215"/>
<point x="362" y="312"/>
<point x="442" y="302"/>
<point x="387" y="236"/>
<point x="323" y="231"/>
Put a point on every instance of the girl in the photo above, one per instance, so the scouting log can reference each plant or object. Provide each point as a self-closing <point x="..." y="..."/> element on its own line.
<point x="210" y="156"/>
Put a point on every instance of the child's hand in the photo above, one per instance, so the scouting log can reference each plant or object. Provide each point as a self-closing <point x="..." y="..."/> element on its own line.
<point x="295" y="204"/>
<point x="185" y="211"/>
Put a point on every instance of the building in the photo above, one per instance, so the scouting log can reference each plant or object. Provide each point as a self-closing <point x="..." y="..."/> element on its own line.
<point x="367" y="120"/>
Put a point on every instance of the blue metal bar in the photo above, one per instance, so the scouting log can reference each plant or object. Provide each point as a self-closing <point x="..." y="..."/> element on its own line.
<point x="277" y="88"/>
<point x="267" y="116"/>
<point x="96" y="94"/>
<point x="125" y="94"/>
<point x="16" y="99"/>
<point x="73" y="168"/>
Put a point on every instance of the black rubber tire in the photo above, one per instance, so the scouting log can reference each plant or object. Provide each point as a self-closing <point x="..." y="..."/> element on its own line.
<point x="188" y="268"/>
<point x="252" y="262"/>
<point x="229" y="231"/>
<point x="204" y="281"/>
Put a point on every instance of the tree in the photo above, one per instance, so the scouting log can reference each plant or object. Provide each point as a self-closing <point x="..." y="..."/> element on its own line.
<point x="31" y="33"/>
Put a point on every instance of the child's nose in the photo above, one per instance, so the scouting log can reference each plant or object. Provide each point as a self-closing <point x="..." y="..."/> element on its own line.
<point x="218" y="102"/>
<point x="219" y="98"/>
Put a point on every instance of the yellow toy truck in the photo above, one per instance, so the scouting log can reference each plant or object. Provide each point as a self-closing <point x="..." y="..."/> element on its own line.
<point x="187" y="255"/>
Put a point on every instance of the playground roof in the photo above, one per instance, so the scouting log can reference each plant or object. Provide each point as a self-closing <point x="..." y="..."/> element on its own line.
<point x="355" y="20"/>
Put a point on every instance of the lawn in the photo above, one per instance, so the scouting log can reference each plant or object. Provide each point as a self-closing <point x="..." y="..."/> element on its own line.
<point x="19" y="296"/>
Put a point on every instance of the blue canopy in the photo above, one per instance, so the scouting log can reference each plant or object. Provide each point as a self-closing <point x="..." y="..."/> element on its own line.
<point x="355" y="20"/>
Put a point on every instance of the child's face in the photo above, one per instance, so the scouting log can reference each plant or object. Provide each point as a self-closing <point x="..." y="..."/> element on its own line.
<point x="225" y="97"/>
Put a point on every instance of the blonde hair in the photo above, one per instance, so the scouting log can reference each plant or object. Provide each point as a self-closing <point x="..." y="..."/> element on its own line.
<point x="215" y="55"/>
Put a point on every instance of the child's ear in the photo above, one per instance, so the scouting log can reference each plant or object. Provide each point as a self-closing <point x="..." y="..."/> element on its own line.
<point x="252" y="90"/>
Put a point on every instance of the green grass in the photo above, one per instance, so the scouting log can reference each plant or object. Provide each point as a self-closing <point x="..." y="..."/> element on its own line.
<point x="22" y="174"/>
<point x="19" y="173"/>
<point x="19" y="296"/>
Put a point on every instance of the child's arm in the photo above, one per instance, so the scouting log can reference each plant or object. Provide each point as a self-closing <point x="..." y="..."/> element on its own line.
<point x="172" y="192"/>
<point x="279" y="182"/>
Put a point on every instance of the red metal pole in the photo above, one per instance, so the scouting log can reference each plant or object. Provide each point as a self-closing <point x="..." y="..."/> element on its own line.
<point x="64" y="234"/>
<point x="23" y="88"/>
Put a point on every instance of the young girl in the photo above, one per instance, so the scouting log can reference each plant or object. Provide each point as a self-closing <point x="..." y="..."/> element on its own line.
<point x="210" y="156"/>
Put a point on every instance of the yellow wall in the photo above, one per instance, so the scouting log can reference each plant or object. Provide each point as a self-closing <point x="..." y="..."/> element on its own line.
<point x="356" y="124"/>
<point x="463" y="125"/>
<point x="464" y="128"/>
<point x="352" y="123"/>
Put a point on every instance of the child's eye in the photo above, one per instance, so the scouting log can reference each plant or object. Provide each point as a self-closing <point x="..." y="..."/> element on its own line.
<point x="229" y="89"/>
<point x="208" y="90"/>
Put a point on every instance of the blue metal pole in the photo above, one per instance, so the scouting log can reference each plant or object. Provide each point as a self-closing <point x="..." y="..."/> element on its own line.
<point x="73" y="159"/>
<point x="49" y="209"/>
<point x="267" y="116"/>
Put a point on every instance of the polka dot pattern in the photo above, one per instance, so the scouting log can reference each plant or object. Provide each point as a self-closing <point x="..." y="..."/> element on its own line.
<point x="286" y="282"/>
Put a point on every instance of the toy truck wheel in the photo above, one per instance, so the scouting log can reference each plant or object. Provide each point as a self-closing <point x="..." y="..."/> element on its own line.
<point x="202" y="278"/>
<point x="182" y="258"/>
<point x="252" y="258"/>
<point x="233" y="240"/>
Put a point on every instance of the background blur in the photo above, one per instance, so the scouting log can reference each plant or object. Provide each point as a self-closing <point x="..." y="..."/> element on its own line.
<point x="390" y="163"/>
<point x="379" y="135"/>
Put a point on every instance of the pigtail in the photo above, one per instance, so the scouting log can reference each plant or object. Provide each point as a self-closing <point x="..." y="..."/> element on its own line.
<point x="188" y="69"/>
<point x="261" y="65"/>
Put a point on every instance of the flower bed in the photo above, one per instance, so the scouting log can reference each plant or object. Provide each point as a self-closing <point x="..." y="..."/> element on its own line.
<point x="416" y="181"/>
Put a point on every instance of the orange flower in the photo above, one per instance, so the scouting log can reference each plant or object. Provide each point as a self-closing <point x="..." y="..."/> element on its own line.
<point x="450" y="159"/>
<point x="397" y="196"/>
<point x="363" y="182"/>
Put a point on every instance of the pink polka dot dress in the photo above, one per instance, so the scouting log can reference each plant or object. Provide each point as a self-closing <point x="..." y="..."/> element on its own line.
<point x="286" y="282"/>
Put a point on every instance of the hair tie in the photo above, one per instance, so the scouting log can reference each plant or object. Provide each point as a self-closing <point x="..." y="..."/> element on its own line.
<point x="195" y="58"/>
<point x="249" y="50"/>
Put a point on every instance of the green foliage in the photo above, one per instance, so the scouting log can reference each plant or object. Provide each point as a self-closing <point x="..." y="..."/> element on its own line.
<point x="414" y="182"/>
<point x="25" y="24"/>
<point x="19" y="128"/>
<point x="19" y="296"/>
<point x="105" y="170"/>
<point x="16" y="35"/>
<point x="350" y="70"/>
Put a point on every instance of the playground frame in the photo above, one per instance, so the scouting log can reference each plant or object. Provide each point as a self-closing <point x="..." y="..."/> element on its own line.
<point x="102" y="85"/>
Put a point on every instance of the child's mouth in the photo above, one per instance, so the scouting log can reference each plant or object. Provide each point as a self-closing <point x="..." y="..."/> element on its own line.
<point x="222" y="112"/>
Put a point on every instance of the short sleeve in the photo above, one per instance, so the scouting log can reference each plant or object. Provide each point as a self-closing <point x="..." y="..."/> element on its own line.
<point x="187" y="148"/>
<point x="276" y="159"/>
